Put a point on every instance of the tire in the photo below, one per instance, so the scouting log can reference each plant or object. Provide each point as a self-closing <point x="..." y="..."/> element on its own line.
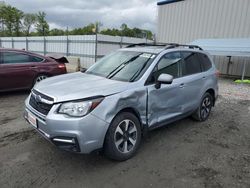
<point x="123" y="137"/>
<point x="39" y="78"/>
<point x="203" y="112"/>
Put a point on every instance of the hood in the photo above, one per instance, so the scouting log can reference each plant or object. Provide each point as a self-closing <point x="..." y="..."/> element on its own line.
<point x="79" y="85"/>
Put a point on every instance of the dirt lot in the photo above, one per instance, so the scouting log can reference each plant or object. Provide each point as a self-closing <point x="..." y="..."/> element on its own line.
<point x="215" y="153"/>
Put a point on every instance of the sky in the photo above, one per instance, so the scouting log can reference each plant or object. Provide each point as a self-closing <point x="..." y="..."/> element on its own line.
<point x="78" y="13"/>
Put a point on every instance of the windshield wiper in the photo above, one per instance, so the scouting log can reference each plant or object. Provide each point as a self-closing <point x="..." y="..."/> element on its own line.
<point x="121" y="66"/>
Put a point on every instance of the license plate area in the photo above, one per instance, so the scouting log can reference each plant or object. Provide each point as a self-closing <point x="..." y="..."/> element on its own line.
<point x="32" y="120"/>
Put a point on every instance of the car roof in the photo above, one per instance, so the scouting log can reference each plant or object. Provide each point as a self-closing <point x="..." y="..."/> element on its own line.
<point x="22" y="51"/>
<point x="149" y="49"/>
<point x="12" y="49"/>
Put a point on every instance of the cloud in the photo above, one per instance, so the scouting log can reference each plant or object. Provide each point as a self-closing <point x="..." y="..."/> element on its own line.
<point x="78" y="13"/>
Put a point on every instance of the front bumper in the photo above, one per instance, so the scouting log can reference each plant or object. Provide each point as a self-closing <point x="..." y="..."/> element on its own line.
<point x="82" y="135"/>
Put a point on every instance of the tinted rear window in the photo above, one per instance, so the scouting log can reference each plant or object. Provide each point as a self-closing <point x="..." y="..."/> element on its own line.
<point x="35" y="59"/>
<point x="190" y="64"/>
<point x="205" y="62"/>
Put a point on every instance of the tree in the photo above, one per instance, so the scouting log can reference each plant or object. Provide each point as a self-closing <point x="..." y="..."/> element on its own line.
<point x="1" y="17"/>
<point x="56" y="32"/>
<point x="42" y="26"/>
<point x="11" y="18"/>
<point x="13" y="22"/>
<point x="87" y="30"/>
<point x="7" y="19"/>
<point x="28" y="21"/>
<point x="126" y="31"/>
<point x="124" y="26"/>
<point x="18" y="15"/>
<point x="97" y="27"/>
<point x="112" y="32"/>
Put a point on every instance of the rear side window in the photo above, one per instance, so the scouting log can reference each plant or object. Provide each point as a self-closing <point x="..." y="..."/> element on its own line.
<point x="190" y="64"/>
<point x="205" y="62"/>
<point x="12" y="57"/>
<point x="35" y="59"/>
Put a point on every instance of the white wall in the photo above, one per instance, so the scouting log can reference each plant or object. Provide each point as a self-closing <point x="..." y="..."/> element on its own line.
<point x="188" y="20"/>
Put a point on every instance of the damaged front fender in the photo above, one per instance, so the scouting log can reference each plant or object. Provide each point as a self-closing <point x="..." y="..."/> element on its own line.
<point x="113" y="104"/>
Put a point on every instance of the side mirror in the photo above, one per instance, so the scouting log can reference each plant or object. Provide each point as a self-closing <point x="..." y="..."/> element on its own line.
<point x="164" y="79"/>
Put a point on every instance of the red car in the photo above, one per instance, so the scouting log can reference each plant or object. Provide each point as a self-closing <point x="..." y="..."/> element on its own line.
<point x="20" y="69"/>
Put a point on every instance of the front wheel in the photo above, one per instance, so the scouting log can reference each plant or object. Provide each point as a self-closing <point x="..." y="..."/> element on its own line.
<point x="123" y="137"/>
<point x="203" y="112"/>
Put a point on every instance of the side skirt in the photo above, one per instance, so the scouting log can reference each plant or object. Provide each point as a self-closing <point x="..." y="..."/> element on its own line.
<point x="168" y="121"/>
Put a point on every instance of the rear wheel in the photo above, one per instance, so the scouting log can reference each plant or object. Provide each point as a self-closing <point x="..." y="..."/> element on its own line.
<point x="123" y="137"/>
<point x="39" y="78"/>
<point x="203" y="112"/>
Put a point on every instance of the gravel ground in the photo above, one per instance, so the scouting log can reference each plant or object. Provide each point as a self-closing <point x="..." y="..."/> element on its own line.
<point x="229" y="89"/>
<point x="215" y="153"/>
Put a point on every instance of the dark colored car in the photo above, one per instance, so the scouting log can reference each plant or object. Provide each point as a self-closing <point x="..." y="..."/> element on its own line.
<point x="20" y="69"/>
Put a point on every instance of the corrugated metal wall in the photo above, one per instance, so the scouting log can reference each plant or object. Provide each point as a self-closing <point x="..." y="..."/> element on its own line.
<point x="189" y="20"/>
<point x="83" y="46"/>
<point x="234" y="68"/>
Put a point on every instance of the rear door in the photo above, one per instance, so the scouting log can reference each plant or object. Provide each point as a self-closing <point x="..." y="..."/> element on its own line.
<point x="18" y="70"/>
<point x="192" y="80"/>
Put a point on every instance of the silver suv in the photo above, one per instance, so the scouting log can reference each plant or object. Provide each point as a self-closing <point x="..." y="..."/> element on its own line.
<point x="123" y="95"/>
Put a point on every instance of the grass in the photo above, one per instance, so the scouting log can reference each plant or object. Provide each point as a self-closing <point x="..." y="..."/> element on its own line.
<point x="242" y="81"/>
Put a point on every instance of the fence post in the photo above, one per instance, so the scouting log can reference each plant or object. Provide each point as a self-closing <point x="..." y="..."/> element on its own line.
<point x="12" y="42"/>
<point x="0" y="42"/>
<point x="44" y="45"/>
<point x="96" y="40"/>
<point x="243" y="70"/>
<point x="27" y="44"/>
<point x="121" y="42"/>
<point x="67" y="47"/>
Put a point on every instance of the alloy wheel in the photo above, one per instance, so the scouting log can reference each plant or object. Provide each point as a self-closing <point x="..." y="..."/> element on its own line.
<point x="125" y="136"/>
<point x="206" y="107"/>
<point x="40" y="78"/>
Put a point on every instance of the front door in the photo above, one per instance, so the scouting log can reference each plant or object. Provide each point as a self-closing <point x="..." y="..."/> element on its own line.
<point x="166" y="102"/>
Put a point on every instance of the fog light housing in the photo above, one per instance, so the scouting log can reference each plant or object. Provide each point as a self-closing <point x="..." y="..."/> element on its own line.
<point x="66" y="143"/>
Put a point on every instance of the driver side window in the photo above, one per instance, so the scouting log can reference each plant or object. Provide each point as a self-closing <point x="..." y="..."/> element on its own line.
<point x="168" y="64"/>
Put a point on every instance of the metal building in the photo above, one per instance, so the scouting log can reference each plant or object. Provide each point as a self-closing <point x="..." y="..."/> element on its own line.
<point x="185" y="21"/>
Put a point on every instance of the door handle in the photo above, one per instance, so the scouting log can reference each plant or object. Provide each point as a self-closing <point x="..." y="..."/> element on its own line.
<point x="181" y="85"/>
<point x="33" y="67"/>
<point x="203" y="77"/>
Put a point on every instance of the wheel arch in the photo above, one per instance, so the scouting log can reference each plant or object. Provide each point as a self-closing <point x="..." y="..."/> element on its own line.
<point x="212" y="93"/>
<point x="133" y="111"/>
<point x="39" y="74"/>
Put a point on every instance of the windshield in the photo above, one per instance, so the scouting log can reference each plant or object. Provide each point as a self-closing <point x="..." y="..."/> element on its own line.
<point x="122" y="65"/>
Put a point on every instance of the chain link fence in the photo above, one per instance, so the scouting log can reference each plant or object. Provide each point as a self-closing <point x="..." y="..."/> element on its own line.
<point x="89" y="48"/>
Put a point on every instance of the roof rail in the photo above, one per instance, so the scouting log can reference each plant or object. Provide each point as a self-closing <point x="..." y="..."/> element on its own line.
<point x="166" y="45"/>
<point x="146" y="44"/>
<point x="175" y="45"/>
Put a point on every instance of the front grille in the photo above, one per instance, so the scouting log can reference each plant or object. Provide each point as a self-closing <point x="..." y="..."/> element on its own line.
<point x="42" y="95"/>
<point x="41" y="107"/>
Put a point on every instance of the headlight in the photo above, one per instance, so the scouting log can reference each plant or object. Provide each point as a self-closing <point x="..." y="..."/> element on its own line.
<point x="78" y="108"/>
